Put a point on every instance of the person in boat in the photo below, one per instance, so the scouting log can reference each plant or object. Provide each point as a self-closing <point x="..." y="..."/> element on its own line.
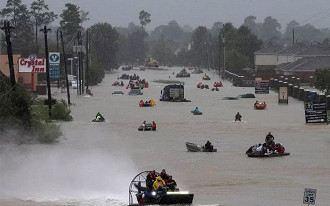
<point x="164" y="175"/>
<point x="238" y="117"/>
<point x="159" y="185"/>
<point x="99" y="117"/>
<point x="269" y="140"/>
<point x="153" y="127"/>
<point x="143" y="125"/>
<point x="121" y="83"/>
<point x="260" y="149"/>
<point x="171" y="184"/>
<point x="196" y="110"/>
<point x="141" y="103"/>
<point x="151" y="178"/>
<point x="208" y="146"/>
<point x="255" y="104"/>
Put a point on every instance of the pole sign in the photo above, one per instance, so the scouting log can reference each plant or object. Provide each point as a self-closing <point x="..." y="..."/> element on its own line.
<point x="309" y="196"/>
<point x="54" y="65"/>
<point x="261" y="86"/>
<point x="315" y="112"/>
<point x="283" y="95"/>
<point x="32" y="64"/>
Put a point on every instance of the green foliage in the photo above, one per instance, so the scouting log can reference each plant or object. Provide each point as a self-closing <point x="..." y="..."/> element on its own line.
<point x="72" y="19"/>
<point x="96" y="71"/>
<point x="144" y="18"/>
<point x="23" y="120"/>
<point x="322" y="81"/>
<point x="61" y="111"/>
<point x="20" y="17"/>
<point x="104" y="42"/>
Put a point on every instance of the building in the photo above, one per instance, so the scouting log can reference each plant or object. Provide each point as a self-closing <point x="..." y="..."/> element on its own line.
<point x="299" y="60"/>
<point x="24" y="79"/>
<point x="265" y="61"/>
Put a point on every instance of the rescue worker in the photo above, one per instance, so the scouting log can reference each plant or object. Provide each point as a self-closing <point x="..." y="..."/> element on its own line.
<point x="158" y="184"/>
<point x="238" y="117"/>
<point x="269" y="140"/>
<point x="153" y="127"/>
<point x="208" y="146"/>
<point x="196" y="110"/>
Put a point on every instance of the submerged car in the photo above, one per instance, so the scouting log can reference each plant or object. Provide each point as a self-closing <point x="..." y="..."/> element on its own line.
<point x="118" y="92"/>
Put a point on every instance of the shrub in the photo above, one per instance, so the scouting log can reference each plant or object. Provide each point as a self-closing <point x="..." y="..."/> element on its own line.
<point x="61" y="111"/>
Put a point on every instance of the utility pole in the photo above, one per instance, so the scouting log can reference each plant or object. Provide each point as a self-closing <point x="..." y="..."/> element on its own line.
<point x="57" y="49"/>
<point x="220" y="53"/>
<point x="80" y="62"/>
<point x="7" y="29"/>
<point x="45" y="30"/>
<point x="224" y="57"/>
<point x="163" y="49"/>
<point x="87" y="62"/>
<point x="65" y="69"/>
<point x="292" y="36"/>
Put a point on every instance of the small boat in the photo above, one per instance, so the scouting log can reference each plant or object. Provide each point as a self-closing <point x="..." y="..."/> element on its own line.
<point x="217" y="84"/>
<point x="192" y="147"/>
<point x="196" y="113"/>
<point x="205" y="77"/>
<point x="260" y="106"/>
<point x="215" y="89"/>
<point x="148" y="127"/>
<point x="267" y="155"/>
<point x="248" y="95"/>
<point x="100" y="120"/>
<point x="138" y="190"/>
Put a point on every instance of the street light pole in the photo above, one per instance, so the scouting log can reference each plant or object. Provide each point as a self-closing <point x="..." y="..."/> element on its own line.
<point x="71" y="59"/>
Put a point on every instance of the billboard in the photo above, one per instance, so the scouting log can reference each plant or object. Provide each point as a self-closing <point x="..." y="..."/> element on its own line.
<point x="32" y="64"/>
<point x="315" y="112"/>
<point x="261" y="86"/>
<point x="283" y="95"/>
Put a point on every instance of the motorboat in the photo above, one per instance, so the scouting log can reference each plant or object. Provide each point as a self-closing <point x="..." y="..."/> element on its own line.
<point x="138" y="193"/>
<point x="260" y="106"/>
<point x="196" y="113"/>
<point x="192" y="147"/>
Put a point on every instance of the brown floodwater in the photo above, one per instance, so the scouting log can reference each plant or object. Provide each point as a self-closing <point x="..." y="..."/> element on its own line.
<point x="95" y="162"/>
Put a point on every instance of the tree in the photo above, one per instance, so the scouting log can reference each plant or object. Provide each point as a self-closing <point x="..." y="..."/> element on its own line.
<point x="200" y="44"/>
<point x="322" y="81"/>
<point x="270" y="29"/>
<point x="19" y="16"/>
<point x="105" y="43"/>
<point x="41" y="14"/>
<point x="144" y="18"/>
<point x="72" y="20"/>
<point x="217" y="26"/>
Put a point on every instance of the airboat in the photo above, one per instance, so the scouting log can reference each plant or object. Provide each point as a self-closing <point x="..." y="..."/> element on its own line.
<point x="138" y="193"/>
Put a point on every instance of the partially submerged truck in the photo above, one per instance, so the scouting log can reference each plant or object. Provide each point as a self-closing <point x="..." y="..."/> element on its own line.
<point x="173" y="93"/>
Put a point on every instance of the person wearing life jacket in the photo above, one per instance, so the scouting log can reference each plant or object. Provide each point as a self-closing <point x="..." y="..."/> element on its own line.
<point x="143" y="125"/>
<point x="141" y="103"/>
<point x="99" y="117"/>
<point x="238" y="117"/>
<point x="196" y="110"/>
<point x="153" y="127"/>
<point x="151" y="179"/>
<point x="255" y="104"/>
<point x="158" y="184"/>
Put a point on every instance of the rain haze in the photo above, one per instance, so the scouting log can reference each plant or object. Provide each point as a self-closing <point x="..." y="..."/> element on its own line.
<point x="230" y="97"/>
<point x="198" y="12"/>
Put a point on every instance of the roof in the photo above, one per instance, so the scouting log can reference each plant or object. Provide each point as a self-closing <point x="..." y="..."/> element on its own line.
<point x="270" y="50"/>
<point x="306" y="64"/>
<point x="294" y="49"/>
<point x="315" y="50"/>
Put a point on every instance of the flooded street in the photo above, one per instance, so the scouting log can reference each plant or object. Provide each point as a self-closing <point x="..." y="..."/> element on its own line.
<point x="95" y="162"/>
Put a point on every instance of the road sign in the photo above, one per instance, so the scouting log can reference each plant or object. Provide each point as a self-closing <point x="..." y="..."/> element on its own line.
<point x="309" y="196"/>
<point x="54" y="72"/>
<point x="54" y="58"/>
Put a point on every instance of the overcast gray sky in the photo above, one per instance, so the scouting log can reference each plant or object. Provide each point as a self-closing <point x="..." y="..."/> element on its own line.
<point x="198" y="12"/>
